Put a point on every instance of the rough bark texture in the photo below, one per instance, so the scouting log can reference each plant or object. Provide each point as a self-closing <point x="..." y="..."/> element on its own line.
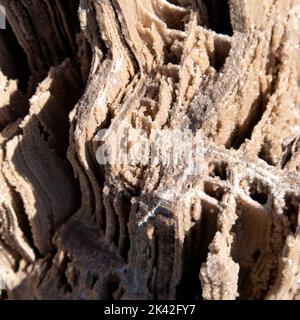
<point x="73" y="229"/>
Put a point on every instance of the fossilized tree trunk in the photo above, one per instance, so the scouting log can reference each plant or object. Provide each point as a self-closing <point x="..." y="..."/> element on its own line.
<point x="74" y="229"/>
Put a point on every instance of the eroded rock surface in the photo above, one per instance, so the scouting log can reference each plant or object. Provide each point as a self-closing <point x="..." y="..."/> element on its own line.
<point x="72" y="228"/>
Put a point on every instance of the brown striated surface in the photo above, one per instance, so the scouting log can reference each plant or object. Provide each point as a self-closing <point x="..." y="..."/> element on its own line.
<point x="71" y="228"/>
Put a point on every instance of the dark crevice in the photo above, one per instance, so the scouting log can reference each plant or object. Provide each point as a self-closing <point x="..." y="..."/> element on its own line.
<point x="43" y="132"/>
<point x="116" y="236"/>
<point x="3" y="294"/>
<point x="63" y="281"/>
<point x="291" y="210"/>
<point x="257" y="190"/>
<point x="166" y="249"/>
<point x="23" y="221"/>
<point x="214" y="191"/>
<point x="15" y="65"/>
<point x="195" y="252"/>
<point x="219" y="16"/>
<point x="265" y="153"/>
<point x="218" y="170"/>
<point x="259" y="238"/>
<point x="154" y="256"/>
<point x="124" y="245"/>
<point x="110" y="287"/>
<point x="287" y="150"/>
<point x="261" y="198"/>
<point x="38" y="65"/>
<point x="287" y="157"/>
<point x="172" y="55"/>
<point x="244" y="131"/>
<point x="221" y="52"/>
<point x="70" y="11"/>
<point x="256" y="254"/>
<point x="95" y="279"/>
<point x="245" y="250"/>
